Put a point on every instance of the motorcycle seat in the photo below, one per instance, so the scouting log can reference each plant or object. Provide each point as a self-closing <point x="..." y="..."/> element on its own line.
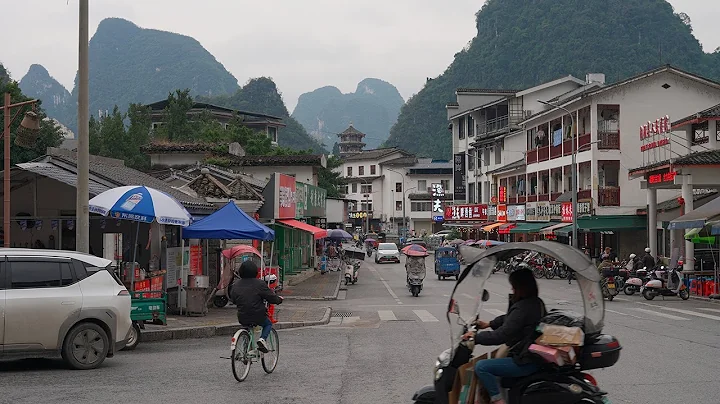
<point x="509" y="382"/>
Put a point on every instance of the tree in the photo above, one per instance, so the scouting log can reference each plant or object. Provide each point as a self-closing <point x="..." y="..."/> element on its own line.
<point x="329" y="178"/>
<point x="336" y="149"/>
<point x="49" y="135"/>
<point x="109" y="137"/>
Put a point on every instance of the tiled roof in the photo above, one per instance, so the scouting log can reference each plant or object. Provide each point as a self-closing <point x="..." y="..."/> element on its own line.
<point x="375" y="154"/>
<point x="242" y="190"/>
<point x="161" y="105"/>
<point x="117" y="173"/>
<point x="486" y="90"/>
<point x="351" y="131"/>
<point x="350" y="180"/>
<point x="401" y="161"/>
<point x="712" y="112"/>
<point x="508" y="167"/>
<point x="702" y="158"/>
<point x="161" y="147"/>
<point x="207" y="186"/>
<point x="292" y="160"/>
<point x="425" y="163"/>
<point x="452" y="105"/>
<point x="63" y="175"/>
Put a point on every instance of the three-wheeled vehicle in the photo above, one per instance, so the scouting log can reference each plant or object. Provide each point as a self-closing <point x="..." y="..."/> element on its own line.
<point x="552" y="383"/>
<point x="145" y="307"/>
<point x="447" y="263"/>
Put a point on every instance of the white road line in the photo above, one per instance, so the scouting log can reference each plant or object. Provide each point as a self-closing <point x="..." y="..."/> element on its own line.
<point x="691" y="313"/>
<point x="670" y="316"/>
<point x="619" y="299"/>
<point x="425" y="316"/>
<point x="384" y="282"/>
<point x="713" y="310"/>
<point x="468" y="296"/>
<point x="622" y="314"/>
<point x="386" y="315"/>
<point x="495" y="312"/>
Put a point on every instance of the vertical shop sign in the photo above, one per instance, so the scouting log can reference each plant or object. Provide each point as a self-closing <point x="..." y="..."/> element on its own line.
<point x="459" y="177"/>
<point x="502" y="194"/>
<point x="502" y="213"/>
<point x="195" y="260"/>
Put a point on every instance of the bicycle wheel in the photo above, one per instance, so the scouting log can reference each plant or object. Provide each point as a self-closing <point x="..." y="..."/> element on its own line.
<point x="240" y="358"/>
<point x="550" y="273"/>
<point x="269" y="360"/>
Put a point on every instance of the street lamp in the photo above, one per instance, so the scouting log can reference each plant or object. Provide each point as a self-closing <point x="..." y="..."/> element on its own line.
<point x="29" y="127"/>
<point x="403" y="201"/>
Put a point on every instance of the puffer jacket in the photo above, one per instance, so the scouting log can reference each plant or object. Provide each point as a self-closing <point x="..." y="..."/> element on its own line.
<point x="249" y="294"/>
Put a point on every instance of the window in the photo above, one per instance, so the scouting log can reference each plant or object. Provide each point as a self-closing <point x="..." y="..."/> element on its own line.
<point x="372" y="169"/>
<point x="461" y="128"/>
<point x="445" y="184"/>
<point x="34" y="274"/>
<point x="420" y="206"/>
<point x="471" y="192"/>
<point x="498" y="153"/>
<point x="486" y="156"/>
<point x="346" y="189"/>
<point x="470" y="126"/>
<point x="349" y="171"/>
<point x="354" y="188"/>
<point x="66" y="276"/>
<point x="472" y="155"/>
<point x="2" y="275"/>
<point x="398" y="187"/>
<point x="398" y="205"/>
<point x="272" y="134"/>
<point x="361" y="170"/>
<point x="422" y="185"/>
<point x="366" y="189"/>
<point x="366" y="207"/>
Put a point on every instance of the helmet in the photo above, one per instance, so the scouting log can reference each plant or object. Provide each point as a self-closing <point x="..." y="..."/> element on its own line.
<point x="647" y="249"/>
<point x="632" y="256"/>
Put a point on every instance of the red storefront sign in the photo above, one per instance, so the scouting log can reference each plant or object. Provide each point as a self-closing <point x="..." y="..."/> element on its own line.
<point x="502" y="213"/>
<point x="502" y="193"/>
<point x="286" y="197"/>
<point x="195" y="260"/>
<point x="661" y="178"/>
<point x="466" y="212"/>
<point x="650" y="129"/>
<point x="567" y="212"/>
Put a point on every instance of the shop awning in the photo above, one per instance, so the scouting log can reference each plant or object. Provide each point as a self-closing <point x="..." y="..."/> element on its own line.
<point x="528" y="228"/>
<point x="552" y="228"/>
<point x="317" y="232"/>
<point x="598" y="224"/>
<point x="228" y="223"/>
<point x="492" y="227"/>
<point x="505" y="228"/>
<point x="698" y="217"/>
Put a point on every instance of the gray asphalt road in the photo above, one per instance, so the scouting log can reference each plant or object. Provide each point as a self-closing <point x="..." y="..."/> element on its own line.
<point x="382" y="349"/>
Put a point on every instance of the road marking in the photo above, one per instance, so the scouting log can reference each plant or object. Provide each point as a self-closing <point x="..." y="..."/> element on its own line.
<point x="620" y="299"/>
<point x="713" y="310"/>
<point x="622" y="314"/>
<point x="425" y="316"/>
<point x="384" y="282"/>
<point x="495" y="312"/>
<point x="386" y="315"/>
<point x="468" y="296"/>
<point x="670" y="316"/>
<point x="691" y="313"/>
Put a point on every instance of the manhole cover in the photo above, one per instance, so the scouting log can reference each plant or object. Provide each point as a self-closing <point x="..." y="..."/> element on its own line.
<point x="341" y="314"/>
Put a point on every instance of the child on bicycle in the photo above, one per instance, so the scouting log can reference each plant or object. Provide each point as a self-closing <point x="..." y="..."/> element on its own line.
<point x="249" y="294"/>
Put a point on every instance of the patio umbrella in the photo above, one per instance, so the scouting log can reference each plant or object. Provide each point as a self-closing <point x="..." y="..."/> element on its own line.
<point x="457" y="241"/>
<point x="415" y="250"/>
<point x="339" y="234"/>
<point x="370" y="240"/>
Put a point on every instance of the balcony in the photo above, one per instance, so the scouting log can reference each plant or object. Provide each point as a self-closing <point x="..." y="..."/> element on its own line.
<point x="512" y="200"/>
<point x="609" y="196"/>
<point x="496" y="124"/>
<point x="543" y="197"/>
<point x="521" y="199"/>
<point x="584" y="194"/>
<point x="582" y="141"/>
<point x="555" y="195"/>
<point x="609" y="140"/>
<point x="532" y="198"/>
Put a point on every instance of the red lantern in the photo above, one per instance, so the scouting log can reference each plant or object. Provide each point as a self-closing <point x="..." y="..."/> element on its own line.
<point x="681" y="201"/>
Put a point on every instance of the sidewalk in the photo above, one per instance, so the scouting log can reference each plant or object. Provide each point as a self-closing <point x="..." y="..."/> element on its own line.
<point x="317" y="287"/>
<point x="224" y="322"/>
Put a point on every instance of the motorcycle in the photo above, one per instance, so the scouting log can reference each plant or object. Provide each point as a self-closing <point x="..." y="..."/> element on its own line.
<point x="415" y="268"/>
<point x="352" y="267"/>
<point x="658" y="286"/>
<point x="551" y="384"/>
<point x="635" y="283"/>
<point x="609" y="290"/>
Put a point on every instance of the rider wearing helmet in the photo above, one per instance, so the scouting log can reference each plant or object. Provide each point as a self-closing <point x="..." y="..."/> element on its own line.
<point x="249" y="294"/>
<point x="513" y="329"/>
<point x="648" y="260"/>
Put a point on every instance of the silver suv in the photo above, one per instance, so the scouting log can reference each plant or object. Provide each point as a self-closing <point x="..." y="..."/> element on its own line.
<point x="61" y="302"/>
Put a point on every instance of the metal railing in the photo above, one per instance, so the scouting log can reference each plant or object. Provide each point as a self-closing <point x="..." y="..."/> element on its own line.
<point x="501" y="122"/>
<point x="609" y="196"/>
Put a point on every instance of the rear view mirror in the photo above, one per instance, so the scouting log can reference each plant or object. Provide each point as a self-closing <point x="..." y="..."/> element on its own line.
<point x="485" y="295"/>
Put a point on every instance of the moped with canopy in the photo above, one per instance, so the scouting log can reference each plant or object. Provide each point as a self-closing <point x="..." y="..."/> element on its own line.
<point x="553" y="383"/>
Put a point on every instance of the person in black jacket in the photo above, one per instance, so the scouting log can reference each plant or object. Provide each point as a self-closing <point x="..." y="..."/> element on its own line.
<point x="249" y="294"/>
<point x="648" y="260"/>
<point x="515" y="329"/>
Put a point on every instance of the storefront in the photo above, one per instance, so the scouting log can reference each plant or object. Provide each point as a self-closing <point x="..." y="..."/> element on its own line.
<point x="468" y="219"/>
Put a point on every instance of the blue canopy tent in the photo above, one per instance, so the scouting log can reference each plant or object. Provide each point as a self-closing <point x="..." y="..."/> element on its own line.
<point x="228" y="223"/>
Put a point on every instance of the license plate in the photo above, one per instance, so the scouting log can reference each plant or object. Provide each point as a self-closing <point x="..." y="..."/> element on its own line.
<point x="611" y="286"/>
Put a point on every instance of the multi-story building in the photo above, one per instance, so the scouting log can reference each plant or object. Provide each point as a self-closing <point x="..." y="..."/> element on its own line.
<point x="391" y="184"/>
<point x="539" y="142"/>
<point x="351" y="141"/>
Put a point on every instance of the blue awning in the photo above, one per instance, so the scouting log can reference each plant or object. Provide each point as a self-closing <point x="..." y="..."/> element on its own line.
<point x="228" y="223"/>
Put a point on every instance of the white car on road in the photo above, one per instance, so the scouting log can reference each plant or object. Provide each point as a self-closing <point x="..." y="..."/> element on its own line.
<point x="387" y="252"/>
<point x="63" y="303"/>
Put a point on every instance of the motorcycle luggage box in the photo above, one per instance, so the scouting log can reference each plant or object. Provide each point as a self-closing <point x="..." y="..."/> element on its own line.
<point x="601" y="351"/>
<point x="355" y="254"/>
<point x="610" y="272"/>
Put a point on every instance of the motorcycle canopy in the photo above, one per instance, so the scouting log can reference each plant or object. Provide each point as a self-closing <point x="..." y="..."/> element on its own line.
<point x="415" y="267"/>
<point x="467" y="298"/>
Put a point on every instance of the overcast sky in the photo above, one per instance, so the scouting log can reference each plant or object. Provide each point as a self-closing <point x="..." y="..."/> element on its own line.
<point x="302" y="45"/>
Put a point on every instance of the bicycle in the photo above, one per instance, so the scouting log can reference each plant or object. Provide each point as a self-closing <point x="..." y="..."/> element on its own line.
<point x="244" y="351"/>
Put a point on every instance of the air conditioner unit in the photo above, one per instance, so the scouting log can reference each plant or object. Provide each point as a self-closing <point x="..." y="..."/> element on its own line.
<point x="528" y="113"/>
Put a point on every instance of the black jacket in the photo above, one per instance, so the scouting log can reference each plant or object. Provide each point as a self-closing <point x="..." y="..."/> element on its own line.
<point x="648" y="261"/>
<point x="516" y="329"/>
<point x="250" y="295"/>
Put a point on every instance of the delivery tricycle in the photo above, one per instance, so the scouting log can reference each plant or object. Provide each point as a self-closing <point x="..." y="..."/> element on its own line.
<point x="145" y="307"/>
<point x="447" y="263"/>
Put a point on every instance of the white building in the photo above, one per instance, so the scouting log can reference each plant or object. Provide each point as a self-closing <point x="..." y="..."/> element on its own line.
<point x="390" y="182"/>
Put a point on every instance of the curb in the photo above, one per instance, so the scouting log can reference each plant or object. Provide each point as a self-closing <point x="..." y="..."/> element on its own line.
<point x="705" y="299"/>
<point x="210" y="331"/>
<point x="318" y="298"/>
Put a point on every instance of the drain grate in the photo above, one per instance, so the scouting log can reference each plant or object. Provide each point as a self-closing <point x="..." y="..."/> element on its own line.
<point x="341" y="314"/>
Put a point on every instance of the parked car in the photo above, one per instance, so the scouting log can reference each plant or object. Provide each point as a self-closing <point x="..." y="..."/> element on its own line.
<point x="442" y="234"/>
<point x="387" y="252"/>
<point x="61" y="303"/>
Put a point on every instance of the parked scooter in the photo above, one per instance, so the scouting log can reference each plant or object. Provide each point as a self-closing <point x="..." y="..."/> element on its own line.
<point x="635" y="283"/>
<point x="609" y="290"/>
<point x="352" y="267"/>
<point x="664" y="284"/>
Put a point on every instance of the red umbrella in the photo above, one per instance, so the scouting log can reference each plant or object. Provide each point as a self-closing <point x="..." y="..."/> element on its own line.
<point x="415" y="250"/>
<point x="238" y="250"/>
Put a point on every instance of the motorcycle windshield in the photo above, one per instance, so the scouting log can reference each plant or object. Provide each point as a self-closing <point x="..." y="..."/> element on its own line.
<point x="415" y="267"/>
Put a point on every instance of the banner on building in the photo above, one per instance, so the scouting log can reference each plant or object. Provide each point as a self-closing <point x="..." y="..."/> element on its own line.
<point x="309" y="201"/>
<point x="502" y="213"/>
<point x="466" y="212"/>
<point x="459" y="177"/>
<point x="515" y="213"/>
<point x="530" y="212"/>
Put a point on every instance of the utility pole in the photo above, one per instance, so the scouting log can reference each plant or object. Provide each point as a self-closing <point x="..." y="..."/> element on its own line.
<point x="82" y="232"/>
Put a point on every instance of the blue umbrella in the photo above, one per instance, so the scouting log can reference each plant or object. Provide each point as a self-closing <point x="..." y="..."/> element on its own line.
<point x="338" y="234"/>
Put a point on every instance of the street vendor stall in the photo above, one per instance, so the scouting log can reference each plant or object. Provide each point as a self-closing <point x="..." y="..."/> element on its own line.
<point x="142" y="205"/>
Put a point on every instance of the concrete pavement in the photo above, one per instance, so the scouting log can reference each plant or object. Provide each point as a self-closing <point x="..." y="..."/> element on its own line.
<point x="380" y="345"/>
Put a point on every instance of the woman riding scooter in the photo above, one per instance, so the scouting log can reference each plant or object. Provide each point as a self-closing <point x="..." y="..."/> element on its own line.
<point x="514" y="329"/>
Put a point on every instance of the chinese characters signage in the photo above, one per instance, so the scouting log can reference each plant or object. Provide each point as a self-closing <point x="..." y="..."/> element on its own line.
<point x="459" y="176"/>
<point x="542" y="211"/>
<point x="309" y="201"/>
<point x="584" y="208"/>
<point x="502" y="194"/>
<point x="285" y="196"/>
<point x="515" y="213"/>
<point x="502" y="213"/>
<point x="662" y="178"/>
<point x="653" y="136"/>
<point x="438" y="194"/>
<point x="358" y="215"/>
<point x="659" y="127"/>
<point x="466" y="212"/>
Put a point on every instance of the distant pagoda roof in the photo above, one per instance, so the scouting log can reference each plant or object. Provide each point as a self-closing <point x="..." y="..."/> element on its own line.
<point x="351" y="131"/>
